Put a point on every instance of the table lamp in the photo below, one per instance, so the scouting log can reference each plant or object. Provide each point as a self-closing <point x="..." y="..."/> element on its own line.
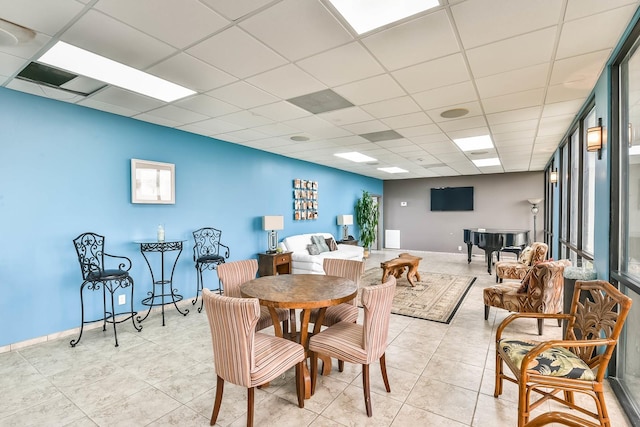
<point x="271" y="224"/>
<point x="345" y="221"/>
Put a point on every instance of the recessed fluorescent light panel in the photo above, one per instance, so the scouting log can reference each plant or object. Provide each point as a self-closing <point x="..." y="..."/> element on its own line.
<point x="70" y="58"/>
<point x="474" y="143"/>
<point x="393" y="169"/>
<point x="481" y="163"/>
<point x="354" y="156"/>
<point x="367" y="15"/>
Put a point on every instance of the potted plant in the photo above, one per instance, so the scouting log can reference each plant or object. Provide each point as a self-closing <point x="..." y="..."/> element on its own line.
<point x="367" y="219"/>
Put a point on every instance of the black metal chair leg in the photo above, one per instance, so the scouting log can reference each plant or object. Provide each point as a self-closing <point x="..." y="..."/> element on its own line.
<point x="133" y="314"/>
<point x="74" y="342"/>
<point x="113" y="317"/>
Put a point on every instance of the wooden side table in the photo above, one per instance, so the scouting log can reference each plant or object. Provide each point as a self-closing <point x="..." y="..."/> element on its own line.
<point x="348" y="242"/>
<point x="273" y="264"/>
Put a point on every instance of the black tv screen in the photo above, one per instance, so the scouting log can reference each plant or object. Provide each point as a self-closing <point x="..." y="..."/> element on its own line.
<point x="452" y="199"/>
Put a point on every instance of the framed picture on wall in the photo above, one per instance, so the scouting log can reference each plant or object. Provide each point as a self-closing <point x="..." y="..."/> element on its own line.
<point x="153" y="182"/>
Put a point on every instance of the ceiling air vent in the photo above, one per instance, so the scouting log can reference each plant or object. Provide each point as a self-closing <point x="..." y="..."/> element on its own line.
<point x="53" y="77"/>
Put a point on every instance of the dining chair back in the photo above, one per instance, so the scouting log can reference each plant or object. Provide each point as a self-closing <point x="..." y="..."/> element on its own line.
<point x="235" y="273"/>
<point x="243" y="356"/>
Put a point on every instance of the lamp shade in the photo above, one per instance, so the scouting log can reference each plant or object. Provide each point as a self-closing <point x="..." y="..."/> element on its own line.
<point x="273" y="222"/>
<point x="345" y="219"/>
<point x="534" y="201"/>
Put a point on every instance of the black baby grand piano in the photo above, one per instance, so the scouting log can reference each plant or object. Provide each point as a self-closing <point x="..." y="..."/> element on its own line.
<point x="492" y="240"/>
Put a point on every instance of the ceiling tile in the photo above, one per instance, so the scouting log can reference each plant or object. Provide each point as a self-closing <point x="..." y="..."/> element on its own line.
<point x="10" y="65"/>
<point x="418" y="40"/>
<point x="286" y="82"/>
<point x="297" y="28"/>
<point x="461" y="124"/>
<point x="484" y="21"/>
<point x="514" y="115"/>
<point x="52" y="16"/>
<point x="593" y="33"/>
<point x="28" y="49"/>
<point x="513" y="81"/>
<point x="177" y="114"/>
<point x="122" y="97"/>
<point x="414" y="131"/>
<point x="342" y="65"/>
<point x="407" y="120"/>
<point x="507" y="55"/>
<point x="446" y="96"/>
<point x="217" y="126"/>
<point x="207" y="105"/>
<point x="280" y="111"/>
<point x="430" y="75"/>
<point x="345" y="116"/>
<point x="581" y="8"/>
<point x="579" y="89"/>
<point x="215" y="51"/>
<point x="582" y="67"/>
<point x="161" y="121"/>
<point x="190" y="72"/>
<point x="45" y="91"/>
<point x="530" y="125"/>
<point x="513" y="101"/>
<point x="276" y="129"/>
<point x="176" y="23"/>
<point x="371" y="90"/>
<point x="317" y="126"/>
<point x="562" y="108"/>
<point x="246" y="119"/>
<point x="392" y="107"/>
<point x="109" y="108"/>
<point x="233" y="10"/>
<point x="243" y="95"/>
<point x="116" y="41"/>
<point x="366" y="127"/>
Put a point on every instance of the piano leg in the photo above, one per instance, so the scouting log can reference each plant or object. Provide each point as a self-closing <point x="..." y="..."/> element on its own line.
<point x="469" y="246"/>
<point x="488" y="253"/>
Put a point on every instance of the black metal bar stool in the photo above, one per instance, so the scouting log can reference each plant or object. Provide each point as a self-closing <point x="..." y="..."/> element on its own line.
<point x="207" y="256"/>
<point x="90" y="250"/>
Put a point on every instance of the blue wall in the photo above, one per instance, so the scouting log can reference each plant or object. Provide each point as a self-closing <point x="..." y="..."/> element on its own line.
<point x="65" y="170"/>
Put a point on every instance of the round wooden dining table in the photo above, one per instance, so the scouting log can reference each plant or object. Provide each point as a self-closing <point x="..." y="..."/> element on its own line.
<point x="304" y="292"/>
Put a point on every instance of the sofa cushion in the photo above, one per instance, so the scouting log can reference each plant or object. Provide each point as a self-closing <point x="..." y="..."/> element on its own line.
<point x="526" y="255"/>
<point x="313" y="249"/>
<point x="320" y="243"/>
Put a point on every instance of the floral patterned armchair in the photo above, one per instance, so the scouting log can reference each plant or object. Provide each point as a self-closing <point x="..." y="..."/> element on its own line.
<point x="539" y="292"/>
<point x="518" y="269"/>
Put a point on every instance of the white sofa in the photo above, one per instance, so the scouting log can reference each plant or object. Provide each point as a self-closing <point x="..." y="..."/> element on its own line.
<point x="303" y="262"/>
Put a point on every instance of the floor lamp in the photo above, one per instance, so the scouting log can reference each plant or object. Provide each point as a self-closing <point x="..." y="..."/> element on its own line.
<point x="534" y="210"/>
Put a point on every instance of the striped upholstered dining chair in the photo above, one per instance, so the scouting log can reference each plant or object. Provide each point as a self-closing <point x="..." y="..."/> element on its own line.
<point x="233" y="274"/>
<point x="243" y="356"/>
<point x="347" y="311"/>
<point x="355" y="343"/>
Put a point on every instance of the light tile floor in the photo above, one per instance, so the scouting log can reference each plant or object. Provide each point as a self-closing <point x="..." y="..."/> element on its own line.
<point x="440" y="375"/>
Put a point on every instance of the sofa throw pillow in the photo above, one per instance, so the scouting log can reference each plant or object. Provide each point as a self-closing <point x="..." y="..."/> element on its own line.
<point x="526" y="255"/>
<point x="320" y="243"/>
<point x="331" y="242"/>
<point x="313" y="249"/>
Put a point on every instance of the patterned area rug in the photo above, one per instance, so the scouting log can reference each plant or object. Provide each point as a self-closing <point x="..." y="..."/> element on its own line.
<point x="435" y="297"/>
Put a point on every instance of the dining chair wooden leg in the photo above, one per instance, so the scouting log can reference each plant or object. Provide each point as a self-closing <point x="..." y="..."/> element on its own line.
<point x="498" y="381"/>
<point x="218" y="401"/>
<point x="383" y="368"/>
<point x="367" y="389"/>
<point x="250" y="397"/>
<point x="340" y="365"/>
<point x="314" y="370"/>
<point x="300" y="383"/>
<point x="486" y="312"/>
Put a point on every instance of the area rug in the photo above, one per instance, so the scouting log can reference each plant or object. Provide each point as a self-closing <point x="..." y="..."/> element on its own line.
<point x="436" y="297"/>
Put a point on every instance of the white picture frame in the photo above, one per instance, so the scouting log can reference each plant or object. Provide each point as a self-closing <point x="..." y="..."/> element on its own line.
<point x="153" y="182"/>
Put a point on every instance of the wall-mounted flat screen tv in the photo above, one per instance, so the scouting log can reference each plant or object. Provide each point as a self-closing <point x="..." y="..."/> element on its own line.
<point x="452" y="199"/>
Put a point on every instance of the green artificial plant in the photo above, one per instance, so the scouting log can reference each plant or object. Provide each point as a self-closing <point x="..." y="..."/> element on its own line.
<point x="367" y="219"/>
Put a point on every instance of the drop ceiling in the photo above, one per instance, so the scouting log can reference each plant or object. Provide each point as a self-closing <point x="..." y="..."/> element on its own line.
<point x="521" y="68"/>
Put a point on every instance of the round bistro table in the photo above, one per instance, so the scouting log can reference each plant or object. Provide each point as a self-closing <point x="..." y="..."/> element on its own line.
<point x="300" y="291"/>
